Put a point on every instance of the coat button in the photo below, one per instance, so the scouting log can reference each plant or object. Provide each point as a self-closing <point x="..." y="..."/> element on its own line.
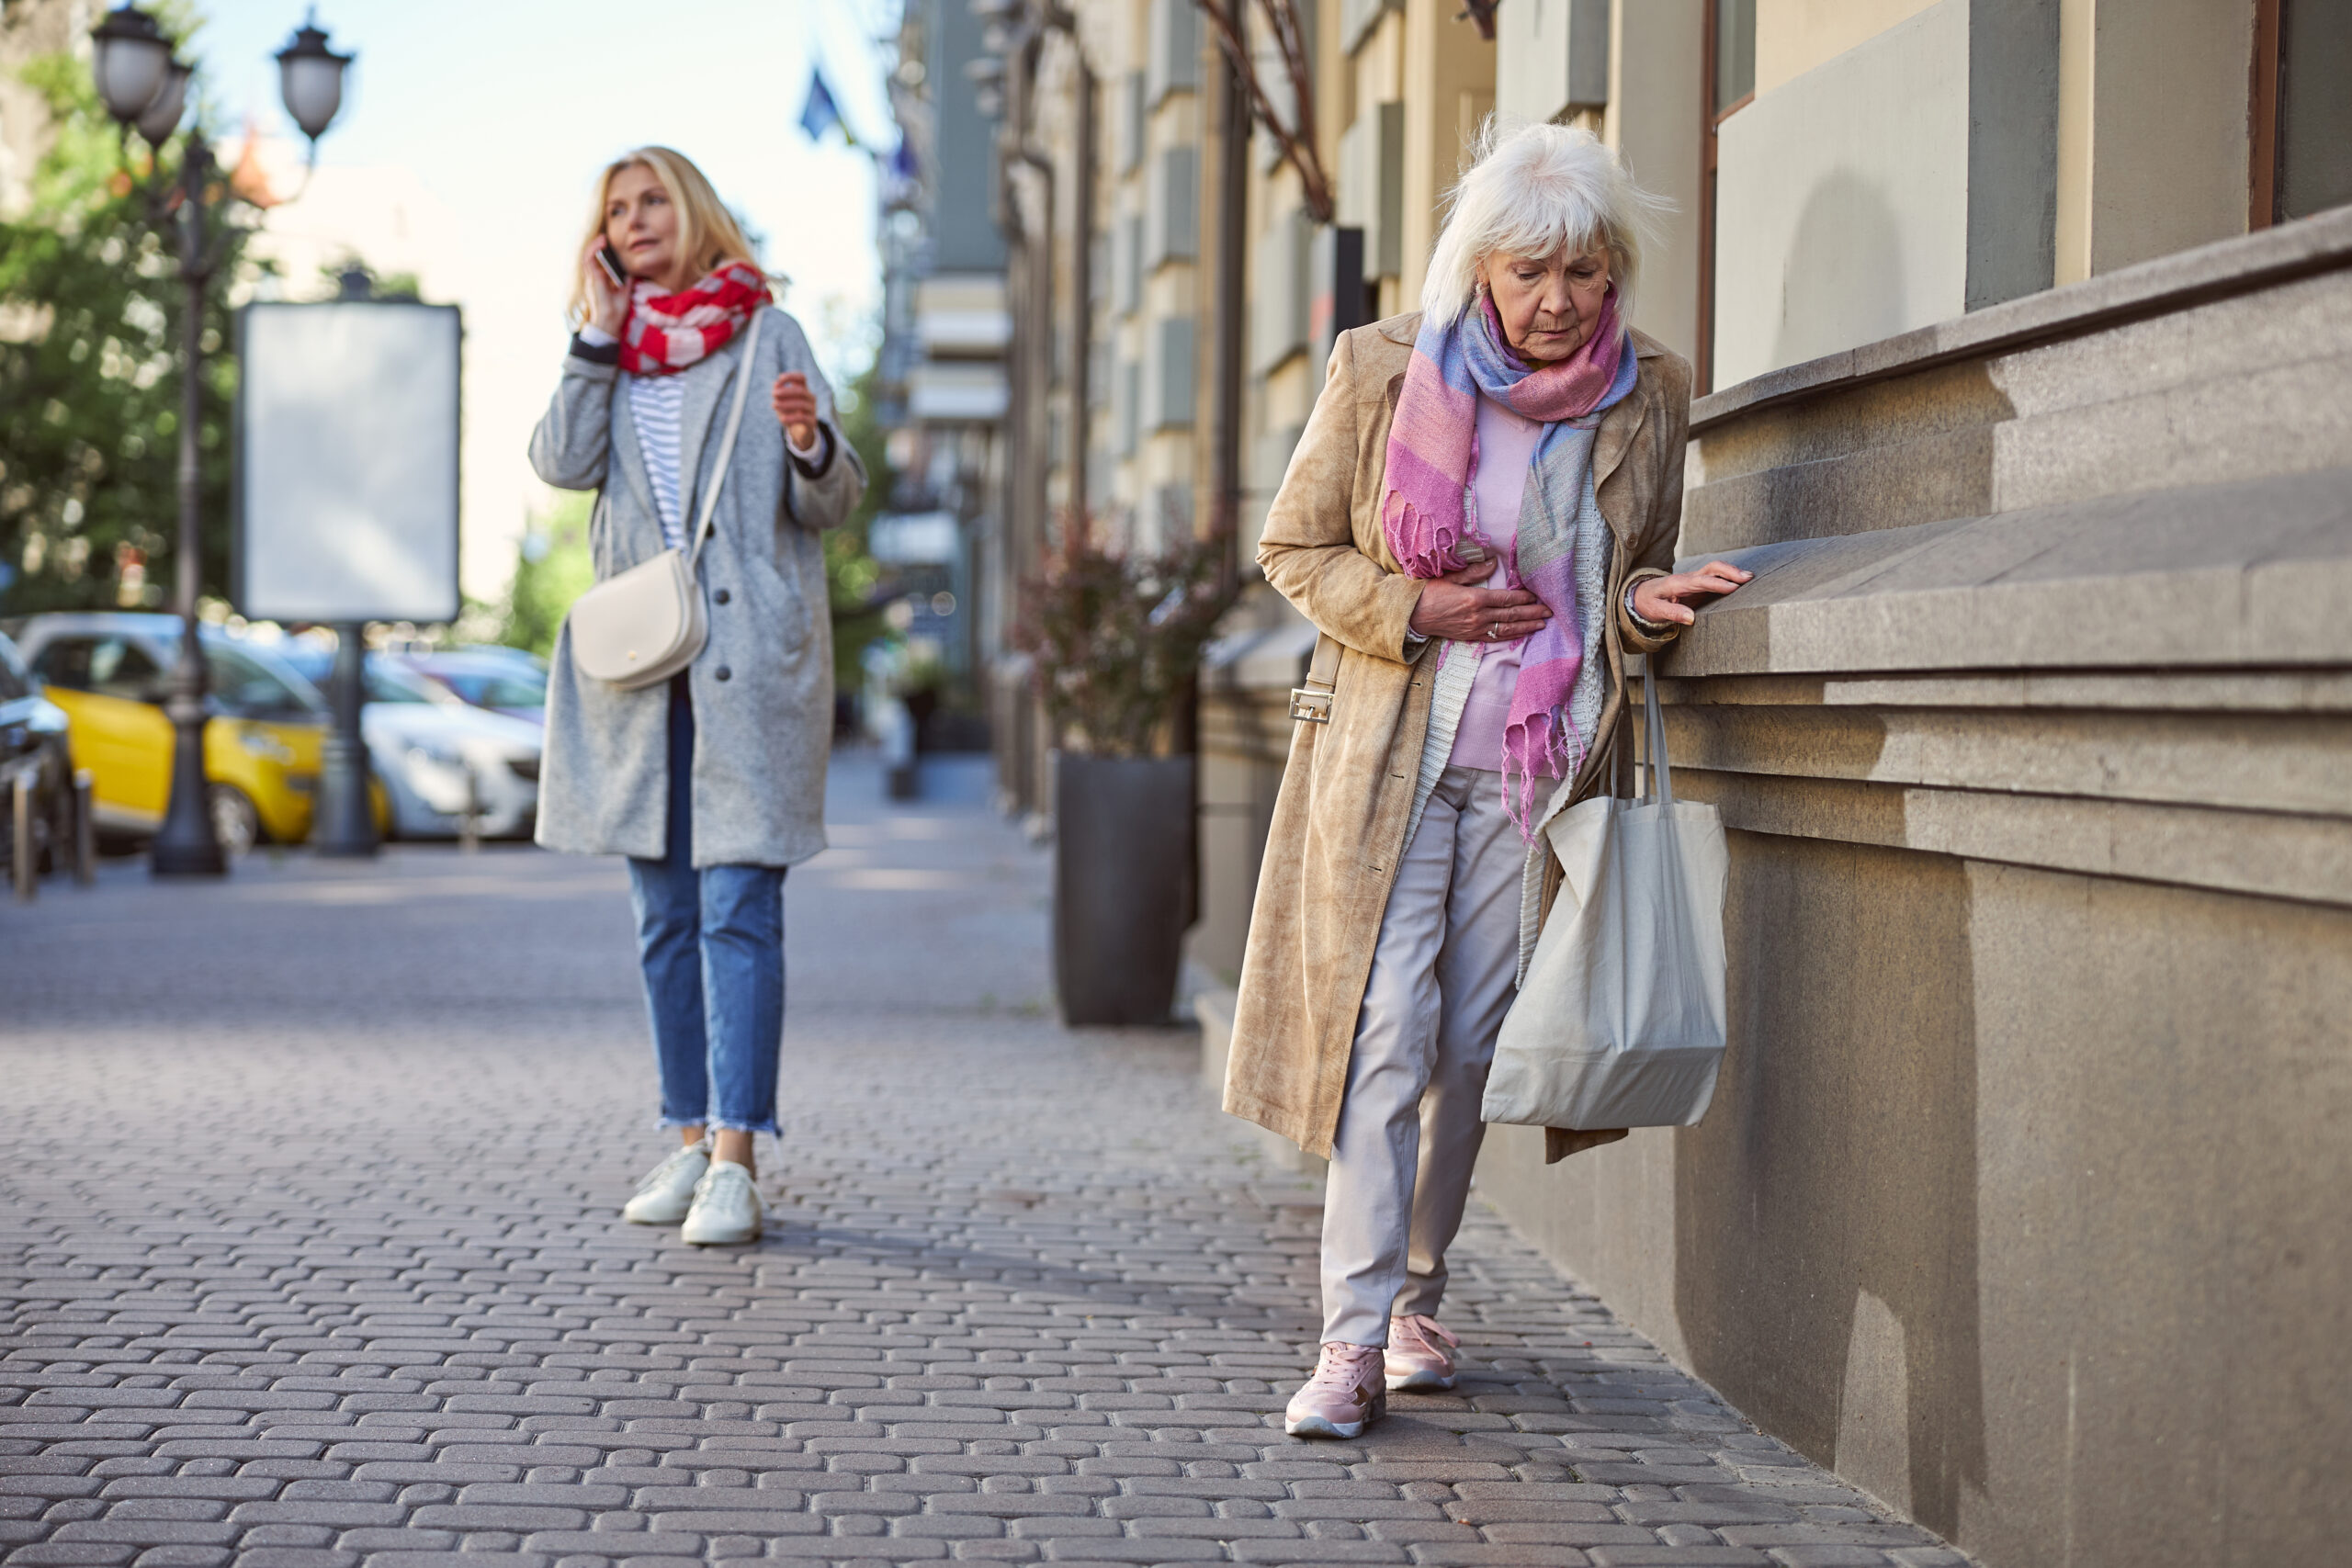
<point x="723" y="673"/>
<point x="720" y="596"/>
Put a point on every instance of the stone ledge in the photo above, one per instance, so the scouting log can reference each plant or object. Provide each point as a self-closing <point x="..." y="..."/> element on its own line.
<point x="2210" y="576"/>
<point x="2276" y="855"/>
<point x="2237" y="266"/>
<point x="2264" y="761"/>
<point x="2171" y="691"/>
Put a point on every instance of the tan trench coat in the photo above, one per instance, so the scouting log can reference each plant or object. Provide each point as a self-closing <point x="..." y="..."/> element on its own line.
<point x="1339" y="823"/>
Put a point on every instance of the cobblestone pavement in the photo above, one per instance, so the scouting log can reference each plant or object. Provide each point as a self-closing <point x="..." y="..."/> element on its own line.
<point x="309" y="1255"/>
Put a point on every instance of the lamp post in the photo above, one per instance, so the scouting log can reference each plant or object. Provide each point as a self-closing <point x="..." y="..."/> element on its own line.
<point x="146" y="90"/>
<point x="344" y="825"/>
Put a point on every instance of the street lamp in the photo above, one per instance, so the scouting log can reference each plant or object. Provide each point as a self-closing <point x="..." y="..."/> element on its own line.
<point x="310" y="78"/>
<point x="162" y="116"/>
<point x="130" y="56"/>
<point x="146" y="90"/>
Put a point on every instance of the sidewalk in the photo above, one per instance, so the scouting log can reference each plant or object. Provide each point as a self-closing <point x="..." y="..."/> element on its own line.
<point x="309" y="1255"/>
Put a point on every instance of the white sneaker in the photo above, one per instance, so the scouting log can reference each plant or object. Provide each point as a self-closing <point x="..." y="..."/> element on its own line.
<point x="727" y="1208"/>
<point x="662" y="1197"/>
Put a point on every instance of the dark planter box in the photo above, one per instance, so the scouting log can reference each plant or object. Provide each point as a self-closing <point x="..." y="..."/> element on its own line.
<point x="1123" y="885"/>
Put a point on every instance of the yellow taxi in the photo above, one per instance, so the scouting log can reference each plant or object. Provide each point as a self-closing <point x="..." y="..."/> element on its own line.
<point x="109" y="673"/>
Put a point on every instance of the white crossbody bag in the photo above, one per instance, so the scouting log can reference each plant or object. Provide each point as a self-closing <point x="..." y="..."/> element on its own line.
<point x="643" y="626"/>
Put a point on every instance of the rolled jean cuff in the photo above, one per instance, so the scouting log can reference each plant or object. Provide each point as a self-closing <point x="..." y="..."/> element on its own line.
<point x="726" y="1124"/>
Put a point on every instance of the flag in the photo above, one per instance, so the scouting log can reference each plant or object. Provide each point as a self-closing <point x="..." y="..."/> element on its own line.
<point x="820" y="115"/>
<point x="898" y="185"/>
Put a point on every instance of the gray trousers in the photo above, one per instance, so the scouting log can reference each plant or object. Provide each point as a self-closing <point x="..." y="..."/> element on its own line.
<point x="1441" y="980"/>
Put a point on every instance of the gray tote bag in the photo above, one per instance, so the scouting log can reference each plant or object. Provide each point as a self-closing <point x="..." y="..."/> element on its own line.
<point x="1619" y="1020"/>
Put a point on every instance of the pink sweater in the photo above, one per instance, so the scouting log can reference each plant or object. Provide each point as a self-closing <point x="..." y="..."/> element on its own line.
<point x="1506" y="442"/>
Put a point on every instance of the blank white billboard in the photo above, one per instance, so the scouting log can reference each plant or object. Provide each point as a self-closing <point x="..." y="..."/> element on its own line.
<point x="347" y="462"/>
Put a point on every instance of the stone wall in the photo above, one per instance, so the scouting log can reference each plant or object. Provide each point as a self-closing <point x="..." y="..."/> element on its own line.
<point x="2021" y="1200"/>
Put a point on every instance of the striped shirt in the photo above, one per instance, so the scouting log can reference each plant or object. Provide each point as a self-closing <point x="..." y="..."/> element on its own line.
<point x="657" y="403"/>
<point x="654" y="402"/>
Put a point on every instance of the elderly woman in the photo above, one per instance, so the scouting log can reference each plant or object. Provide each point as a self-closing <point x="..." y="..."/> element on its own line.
<point x="1479" y="519"/>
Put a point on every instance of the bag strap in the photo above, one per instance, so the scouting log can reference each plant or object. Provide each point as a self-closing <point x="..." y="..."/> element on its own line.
<point x="1661" y="770"/>
<point x="726" y="443"/>
<point x="1312" y="701"/>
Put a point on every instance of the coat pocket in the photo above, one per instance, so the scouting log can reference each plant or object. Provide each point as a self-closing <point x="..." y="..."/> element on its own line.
<point x="782" y="599"/>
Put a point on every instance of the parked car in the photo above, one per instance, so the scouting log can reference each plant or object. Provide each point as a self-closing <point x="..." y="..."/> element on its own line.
<point x="505" y="681"/>
<point x="35" y="746"/>
<point x="106" y="670"/>
<point x="437" y="754"/>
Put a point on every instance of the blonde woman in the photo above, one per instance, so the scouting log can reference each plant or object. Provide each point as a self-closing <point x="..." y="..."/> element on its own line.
<point x="1480" y="519"/>
<point x="714" y="784"/>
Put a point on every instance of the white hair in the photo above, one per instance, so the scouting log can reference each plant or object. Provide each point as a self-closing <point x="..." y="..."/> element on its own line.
<point x="1530" y="191"/>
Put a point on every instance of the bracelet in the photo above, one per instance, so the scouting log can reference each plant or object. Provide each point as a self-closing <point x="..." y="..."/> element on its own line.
<point x="1641" y="621"/>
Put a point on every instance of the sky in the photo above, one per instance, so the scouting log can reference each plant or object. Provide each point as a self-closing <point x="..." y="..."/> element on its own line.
<point x="473" y="130"/>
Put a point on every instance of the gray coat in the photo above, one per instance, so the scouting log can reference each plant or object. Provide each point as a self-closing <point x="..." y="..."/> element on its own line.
<point x="763" y="687"/>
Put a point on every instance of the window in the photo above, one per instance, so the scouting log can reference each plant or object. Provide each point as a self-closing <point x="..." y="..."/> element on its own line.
<point x="389" y="683"/>
<point x="104" y="666"/>
<point x="2301" y="115"/>
<point x="1174" y="65"/>
<point x="1170" y="387"/>
<point x="16" y="680"/>
<point x="1729" y="63"/>
<point x="1734" y="67"/>
<point x="65" y="663"/>
<point x="1172" y="218"/>
<point x="497" y="691"/>
<point x="512" y="691"/>
<point x="249" y="688"/>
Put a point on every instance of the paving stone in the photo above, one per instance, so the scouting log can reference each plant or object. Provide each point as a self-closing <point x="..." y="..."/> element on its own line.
<point x="351" y="1289"/>
<point x="183" y="1557"/>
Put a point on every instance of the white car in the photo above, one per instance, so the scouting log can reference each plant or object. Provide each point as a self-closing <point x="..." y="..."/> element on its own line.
<point x="438" y="755"/>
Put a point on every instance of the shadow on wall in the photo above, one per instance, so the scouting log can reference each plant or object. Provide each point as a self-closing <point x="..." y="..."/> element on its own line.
<point x="1826" y="1212"/>
<point x="1841" y="282"/>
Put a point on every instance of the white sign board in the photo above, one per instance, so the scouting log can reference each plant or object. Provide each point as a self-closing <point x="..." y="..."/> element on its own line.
<point x="915" y="538"/>
<point x="347" y="462"/>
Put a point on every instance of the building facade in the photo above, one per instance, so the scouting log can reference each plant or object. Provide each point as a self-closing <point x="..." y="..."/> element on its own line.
<point x="2021" y="327"/>
<point x="946" y="327"/>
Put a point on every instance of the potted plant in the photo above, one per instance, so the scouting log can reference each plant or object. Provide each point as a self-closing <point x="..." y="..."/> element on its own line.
<point x="1116" y="636"/>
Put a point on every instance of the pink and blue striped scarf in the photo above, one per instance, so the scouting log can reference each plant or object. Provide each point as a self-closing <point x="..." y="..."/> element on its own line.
<point x="1426" y="505"/>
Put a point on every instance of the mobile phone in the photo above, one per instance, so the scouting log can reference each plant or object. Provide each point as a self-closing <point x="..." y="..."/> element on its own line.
<point x="610" y="260"/>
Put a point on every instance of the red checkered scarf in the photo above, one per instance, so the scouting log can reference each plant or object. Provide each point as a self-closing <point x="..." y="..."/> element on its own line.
<point x="666" y="333"/>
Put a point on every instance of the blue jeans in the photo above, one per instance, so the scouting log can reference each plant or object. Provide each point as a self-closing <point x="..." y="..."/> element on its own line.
<point x="711" y="944"/>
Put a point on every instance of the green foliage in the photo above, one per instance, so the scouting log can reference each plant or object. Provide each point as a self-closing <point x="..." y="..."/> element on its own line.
<point x="554" y="569"/>
<point x="91" y="317"/>
<point x="1117" y="636"/>
<point x="851" y="574"/>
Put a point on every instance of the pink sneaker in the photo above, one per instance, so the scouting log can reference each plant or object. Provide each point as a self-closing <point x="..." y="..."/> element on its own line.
<point x="1342" y="1397"/>
<point x="1420" y="1353"/>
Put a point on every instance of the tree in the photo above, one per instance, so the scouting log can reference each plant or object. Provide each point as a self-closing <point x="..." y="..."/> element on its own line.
<point x="553" y="570"/>
<point x="851" y="574"/>
<point x="90" y="325"/>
